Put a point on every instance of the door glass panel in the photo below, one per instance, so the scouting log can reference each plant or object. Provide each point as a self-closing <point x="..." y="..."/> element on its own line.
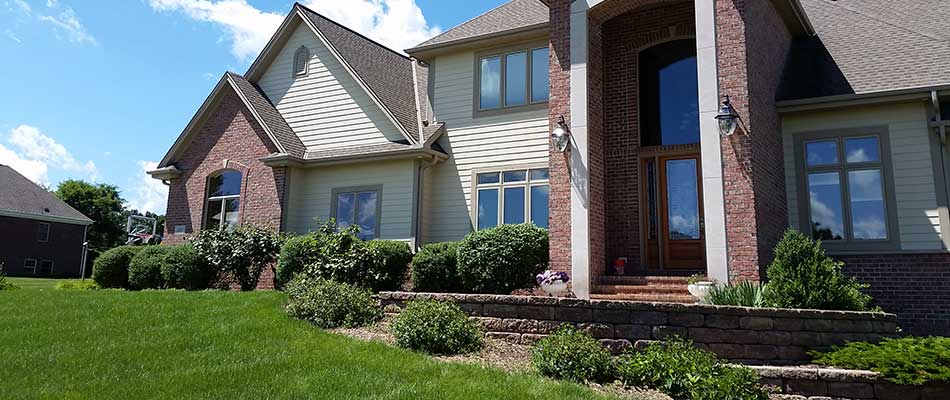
<point x="867" y="204"/>
<point x="821" y="153"/>
<point x="683" y="198"/>
<point x="514" y="205"/>
<point x="539" y="206"/>
<point x="824" y="191"/>
<point x="516" y="80"/>
<point x="366" y="214"/>
<point x="487" y="208"/>
<point x="861" y="150"/>
<point x="651" y="201"/>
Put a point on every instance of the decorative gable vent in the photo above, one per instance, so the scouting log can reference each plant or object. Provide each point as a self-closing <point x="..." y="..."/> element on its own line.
<point x="301" y="60"/>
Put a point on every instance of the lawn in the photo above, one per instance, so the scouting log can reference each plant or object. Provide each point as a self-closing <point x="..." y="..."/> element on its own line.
<point x="217" y="345"/>
<point x="34" y="283"/>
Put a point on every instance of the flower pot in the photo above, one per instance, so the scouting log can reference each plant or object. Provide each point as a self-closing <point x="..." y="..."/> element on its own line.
<point x="555" y="288"/>
<point x="700" y="290"/>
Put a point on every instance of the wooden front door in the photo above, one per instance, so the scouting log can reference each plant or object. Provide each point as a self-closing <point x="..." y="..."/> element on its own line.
<point x="680" y="209"/>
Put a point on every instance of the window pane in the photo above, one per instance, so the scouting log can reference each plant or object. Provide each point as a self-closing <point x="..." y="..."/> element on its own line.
<point x="516" y="81"/>
<point x="679" y="102"/>
<point x="367" y="215"/>
<point x="860" y="150"/>
<point x="539" y="174"/>
<point x="514" y="205"/>
<point x="228" y="183"/>
<point x="213" y="212"/>
<point x="231" y="212"/>
<point x="515" y="176"/>
<point x="488" y="178"/>
<point x="824" y="190"/>
<point x="867" y="204"/>
<point x="490" y="94"/>
<point x="682" y="189"/>
<point x="487" y="208"/>
<point x="345" y="209"/>
<point x="539" y="75"/>
<point x="821" y="153"/>
<point x="539" y="206"/>
<point x="43" y="233"/>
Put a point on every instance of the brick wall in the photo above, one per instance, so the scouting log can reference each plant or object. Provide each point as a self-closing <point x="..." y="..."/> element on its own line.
<point x="19" y="241"/>
<point x="559" y="104"/>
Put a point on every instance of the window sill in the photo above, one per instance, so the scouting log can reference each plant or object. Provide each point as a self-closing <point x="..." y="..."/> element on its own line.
<point x="509" y="110"/>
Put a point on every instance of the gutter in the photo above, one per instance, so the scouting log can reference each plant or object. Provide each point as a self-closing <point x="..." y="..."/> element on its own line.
<point x="287" y="160"/>
<point x="539" y="27"/>
<point x="847" y="100"/>
<point x="46" y="218"/>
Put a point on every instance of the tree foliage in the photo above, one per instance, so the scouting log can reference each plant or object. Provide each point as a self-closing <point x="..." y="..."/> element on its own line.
<point x="103" y="205"/>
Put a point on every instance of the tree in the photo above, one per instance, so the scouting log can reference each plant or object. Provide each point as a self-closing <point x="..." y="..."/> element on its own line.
<point x="102" y="204"/>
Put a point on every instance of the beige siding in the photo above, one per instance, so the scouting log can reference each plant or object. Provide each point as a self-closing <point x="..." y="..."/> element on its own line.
<point x="310" y="197"/>
<point x="914" y="188"/>
<point x="474" y="143"/>
<point x="327" y="108"/>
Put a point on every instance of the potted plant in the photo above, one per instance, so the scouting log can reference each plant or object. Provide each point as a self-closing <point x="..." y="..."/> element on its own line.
<point x="553" y="282"/>
<point x="700" y="286"/>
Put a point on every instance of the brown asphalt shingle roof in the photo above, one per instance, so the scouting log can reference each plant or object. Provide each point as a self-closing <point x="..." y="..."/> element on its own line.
<point x="512" y="15"/>
<point x="270" y="116"/>
<point x="20" y="195"/>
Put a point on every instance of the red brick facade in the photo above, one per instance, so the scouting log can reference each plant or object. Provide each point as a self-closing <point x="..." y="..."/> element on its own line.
<point x="20" y="241"/>
<point x="559" y="104"/>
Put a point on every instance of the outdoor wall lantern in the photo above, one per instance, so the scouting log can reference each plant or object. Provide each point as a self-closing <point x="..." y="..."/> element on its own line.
<point x="561" y="135"/>
<point x="728" y="117"/>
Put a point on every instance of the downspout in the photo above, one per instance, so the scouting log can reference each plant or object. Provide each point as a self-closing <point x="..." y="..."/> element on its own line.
<point x="419" y="209"/>
<point x="939" y="126"/>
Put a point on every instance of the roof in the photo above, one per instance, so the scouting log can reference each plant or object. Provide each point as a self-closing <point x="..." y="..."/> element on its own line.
<point x="22" y="198"/>
<point x="513" y="15"/>
<point x="868" y="46"/>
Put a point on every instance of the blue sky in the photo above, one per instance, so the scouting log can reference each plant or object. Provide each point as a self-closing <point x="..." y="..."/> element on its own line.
<point x="98" y="90"/>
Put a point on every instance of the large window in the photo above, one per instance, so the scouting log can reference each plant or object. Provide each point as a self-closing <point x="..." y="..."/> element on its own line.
<point x="512" y="79"/>
<point x="29" y="265"/>
<point x="46" y="267"/>
<point x="42" y="232"/>
<point x="224" y="200"/>
<point x="358" y="206"/>
<point x="669" y="94"/>
<point x="512" y="196"/>
<point x="846" y="193"/>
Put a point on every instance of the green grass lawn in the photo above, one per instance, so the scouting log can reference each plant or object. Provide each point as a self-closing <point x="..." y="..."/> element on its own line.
<point x="34" y="283"/>
<point x="217" y="345"/>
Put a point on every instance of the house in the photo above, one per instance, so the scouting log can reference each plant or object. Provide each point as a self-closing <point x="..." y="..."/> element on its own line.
<point x="696" y="132"/>
<point x="40" y="235"/>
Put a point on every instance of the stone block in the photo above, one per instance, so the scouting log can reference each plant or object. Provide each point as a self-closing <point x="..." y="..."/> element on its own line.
<point x="536" y="312"/>
<point x="806" y="339"/>
<point x="616" y="346"/>
<point x="546" y="327"/>
<point x="531" y="338"/>
<point x="885" y="327"/>
<point x="519" y="325"/>
<point x="598" y="331"/>
<point x="792" y="353"/>
<point x="851" y="390"/>
<point x="506" y="336"/>
<point x="611" y="315"/>
<point x="726" y="350"/>
<point x="648" y="318"/>
<point x="775" y="337"/>
<point x="722" y="321"/>
<point x="688" y="320"/>
<point x="848" y="375"/>
<point x="741" y="337"/>
<point x="819" y="325"/>
<point x="890" y="391"/>
<point x="756" y="323"/>
<point x="633" y="332"/>
<point x="806" y="387"/>
<point x="573" y="314"/>
<point x="935" y="392"/>
<point x="787" y="324"/>
<point x="761" y="351"/>
<point x="662" y="332"/>
<point x="500" y="310"/>
<point x="706" y="335"/>
<point x="489" y="324"/>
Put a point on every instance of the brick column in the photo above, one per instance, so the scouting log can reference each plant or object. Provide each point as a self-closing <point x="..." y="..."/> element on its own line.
<point x="559" y="104"/>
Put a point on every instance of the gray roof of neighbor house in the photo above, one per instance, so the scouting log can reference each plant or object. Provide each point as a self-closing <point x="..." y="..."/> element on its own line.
<point x="269" y="115"/>
<point x="867" y="46"/>
<point x="21" y="197"/>
<point x="513" y="15"/>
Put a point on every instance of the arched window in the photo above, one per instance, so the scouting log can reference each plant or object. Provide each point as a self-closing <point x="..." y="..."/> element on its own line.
<point x="669" y="94"/>
<point x="301" y="60"/>
<point x="224" y="200"/>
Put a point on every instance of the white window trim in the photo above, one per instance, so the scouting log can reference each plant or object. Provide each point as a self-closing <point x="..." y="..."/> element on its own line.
<point x="33" y="268"/>
<point x="527" y="184"/>
<point x="46" y="239"/>
<point x="223" y="199"/>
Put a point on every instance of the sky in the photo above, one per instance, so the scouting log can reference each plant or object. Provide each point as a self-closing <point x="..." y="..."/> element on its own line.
<point x="99" y="90"/>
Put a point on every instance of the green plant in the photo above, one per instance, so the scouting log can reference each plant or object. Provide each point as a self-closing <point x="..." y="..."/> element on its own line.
<point x="435" y="269"/>
<point x="744" y="293"/>
<point x="145" y="270"/>
<point x="340" y="255"/>
<point x="502" y="259"/>
<point x="4" y="283"/>
<point x="329" y="304"/>
<point x="240" y="254"/>
<point x="295" y="255"/>
<point x="802" y="276"/>
<point x="111" y="268"/>
<point x="389" y="259"/>
<point x="696" y="278"/>
<point x="436" y="327"/>
<point x="680" y="369"/>
<point x="907" y="361"/>
<point x="572" y="354"/>
<point x="76" y="284"/>
<point x="183" y="268"/>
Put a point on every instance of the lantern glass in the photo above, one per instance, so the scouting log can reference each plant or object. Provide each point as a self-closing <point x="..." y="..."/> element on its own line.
<point x="727" y="125"/>
<point x="560" y="138"/>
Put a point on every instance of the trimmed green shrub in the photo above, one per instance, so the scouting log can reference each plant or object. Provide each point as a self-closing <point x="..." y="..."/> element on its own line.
<point x="111" y="268"/>
<point x="145" y="270"/>
<point x="502" y="259"/>
<point x="680" y="369"/>
<point x="329" y="304"/>
<point x="436" y="327"/>
<point x="240" y="254"/>
<point x="389" y="260"/>
<point x="435" y="268"/>
<point x="4" y="283"/>
<point x="744" y="293"/>
<point x="574" y="355"/>
<point x="340" y="255"/>
<point x="295" y="255"/>
<point x="76" y="284"/>
<point x="906" y="361"/>
<point x="802" y="276"/>
<point x="183" y="268"/>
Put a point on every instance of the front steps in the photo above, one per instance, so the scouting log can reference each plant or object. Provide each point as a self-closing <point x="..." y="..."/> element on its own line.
<point x="663" y="289"/>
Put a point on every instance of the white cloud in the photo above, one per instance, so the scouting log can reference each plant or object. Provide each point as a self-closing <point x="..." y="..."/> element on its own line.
<point x="148" y="194"/>
<point x="23" y="6"/>
<point x="67" y="23"/>
<point x="34" y="145"/>
<point x="250" y="28"/>
<point x="32" y="169"/>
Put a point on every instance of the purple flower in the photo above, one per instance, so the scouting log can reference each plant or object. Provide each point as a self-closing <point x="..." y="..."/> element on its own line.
<point x="550" y="277"/>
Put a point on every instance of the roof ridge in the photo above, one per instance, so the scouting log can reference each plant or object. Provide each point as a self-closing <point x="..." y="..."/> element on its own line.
<point x="353" y="31"/>
<point x="467" y="21"/>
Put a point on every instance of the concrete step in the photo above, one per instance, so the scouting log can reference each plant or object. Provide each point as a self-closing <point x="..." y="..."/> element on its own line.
<point x="651" y="297"/>
<point x="642" y="280"/>
<point x="655" y="289"/>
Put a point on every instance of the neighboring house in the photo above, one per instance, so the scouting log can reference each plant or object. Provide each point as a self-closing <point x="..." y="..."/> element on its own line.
<point x="40" y="235"/>
<point x="842" y="106"/>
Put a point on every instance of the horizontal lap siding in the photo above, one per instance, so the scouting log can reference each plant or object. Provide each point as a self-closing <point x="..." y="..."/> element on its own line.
<point x="326" y="108"/>
<point x="474" y="143"/>
<point x="915" y="192"/>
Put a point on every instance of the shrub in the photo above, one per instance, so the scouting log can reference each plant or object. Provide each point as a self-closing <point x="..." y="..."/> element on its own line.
<point x="681" y="370"/>
<point x="183" y="268"/>
<point x="4" y="283"/>
<point x="434" y="268"/>
<point x="502" y="259"/>
<point x="572" y="354"/>
<point x="436" y="327"/>
<point x="295" y="255"/>
<point x="145" y="270"/>
<point x="240" y="254"/>
<point x="389" y="260"/>
<point x="340" y="255"/>
<point x="76" y="284"/>
<point x="802" y="276"/>
<point x="329" y="304"/>
<point x="745" y="294"/>
<point x="111" y="268"/>
<point x="907" y="361"/>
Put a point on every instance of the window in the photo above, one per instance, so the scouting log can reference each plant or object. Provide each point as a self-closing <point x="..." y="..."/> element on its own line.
<point x="358" y="206"/>
<point x="513" y="79"/>
<point x="29" y="265"/>
<point x="301" y="61"/>
<point x="224" y="200"/>
<point x="669" y="94"/>
<point x="846" y="196"/>
<point x="511" y="196"/>
<point x="46" y="267"/>
<point x="42" y="232"/>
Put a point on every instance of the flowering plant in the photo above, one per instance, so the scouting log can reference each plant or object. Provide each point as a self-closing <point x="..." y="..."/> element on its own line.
<point x="550" y="277"/>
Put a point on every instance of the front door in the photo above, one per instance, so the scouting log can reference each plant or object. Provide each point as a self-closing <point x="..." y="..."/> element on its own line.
<point x="680" y="213"/>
